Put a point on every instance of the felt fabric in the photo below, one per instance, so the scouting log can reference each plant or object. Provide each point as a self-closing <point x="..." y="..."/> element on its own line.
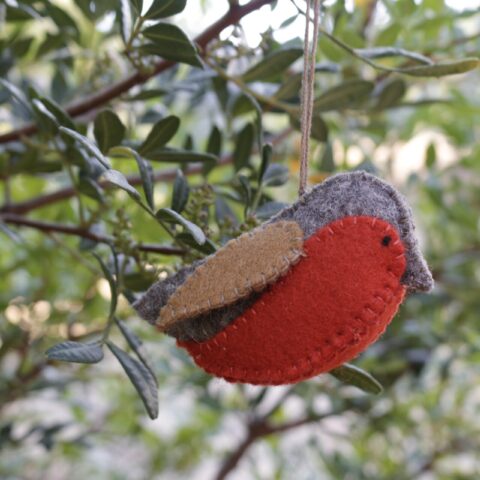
<point x="243" y="266"/>
<point x="359" y="193"/>
<point x="148" y="306"/>
<point x="207" y="325"/>
<point x="345" y="194"/>
<point x="324" y="312"/>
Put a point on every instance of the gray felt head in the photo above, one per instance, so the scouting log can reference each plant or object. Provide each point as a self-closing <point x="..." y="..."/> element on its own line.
<point x="359" y="193"/>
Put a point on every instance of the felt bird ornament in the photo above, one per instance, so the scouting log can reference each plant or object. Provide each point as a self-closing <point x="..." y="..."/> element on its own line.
<point x="302" y="293"/>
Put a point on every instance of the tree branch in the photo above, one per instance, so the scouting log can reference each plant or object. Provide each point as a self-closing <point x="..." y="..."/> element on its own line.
<point x="27" y="206"/>
<point x="259" y="429"/>
<point x="82" y="232"/>
<point x="68" y="192"/>
<point x="234" y="15"/>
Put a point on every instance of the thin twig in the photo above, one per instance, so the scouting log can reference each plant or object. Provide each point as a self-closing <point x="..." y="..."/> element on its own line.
<point x="233" y="16"/>
<point x="259" y="429"/>
<point x="49" y="227"/>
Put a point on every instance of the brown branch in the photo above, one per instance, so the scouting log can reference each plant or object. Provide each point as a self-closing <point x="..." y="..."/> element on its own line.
<point x="233" y="16"/>
<point x="27" y="206"/>
<point x="82" y="232"/>
<point x="259" y="429"/>
<point x="69" y="192"/>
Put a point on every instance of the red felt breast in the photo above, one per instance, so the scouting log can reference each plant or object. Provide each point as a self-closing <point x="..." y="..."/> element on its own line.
<point x="330" y="306"/>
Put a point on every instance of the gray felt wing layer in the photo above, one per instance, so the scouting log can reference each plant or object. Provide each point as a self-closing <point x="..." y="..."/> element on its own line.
<point x="199" y="328"/>
<point x="149" y="305"/>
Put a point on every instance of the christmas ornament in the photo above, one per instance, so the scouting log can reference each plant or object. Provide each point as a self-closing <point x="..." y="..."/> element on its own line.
<point x="301" y="294"/>
<point x="305" y="292"/>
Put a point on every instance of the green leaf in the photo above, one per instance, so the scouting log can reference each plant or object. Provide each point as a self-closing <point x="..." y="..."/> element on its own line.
<point x="118" y="179"/>
<point x="17" y="95"/>
<point x="171" y="43"/>
<point x="258" y="119"/>
<point x="108" y="130"/>
<point x="63" y="20"/>
<point x="247" y="190"/>
<point x="243" y="147"/>
<point x="188" y="144"/>
<point x="94" y="11"/>
<point x="165" y="8"/>
<point x="170" y="155"/>
<point x="347" y="94"/>
<point x="272" y="65"/>
<point x="453" y="67"/>
<point x="276" y="175"/>
<point x="430" y="156"/>
<point x="327" y="161"/>
<point x="288" y="21"/>
<point x="357" y="377"/>
<point x="21" y="46"/>
<point x="390" y="94"/>
<point x="46" y="119"/>
<point x="160" y="134"/>
<point x="187" y="239"/>
<point x="87" y="144"/>
<point x="76" y="352"/>
<point x="51" y="43"/>
<point x="223" y="212"/>
<point x="137" y="6"/>
<point x="144" y="167"/>
<point x="269" y="209"/>
<point x="111" y="282"/>
<point x="141" y="378"/>
<point x="389" y="34"/>
<point x="180" y="192"/>
<point x="125" y="19"/>
<point x="17" y="11"/>
<point x="146" y="173"/>
<point x="267" y="153"/>
<point x="319" y="129"/>
<point x="91" y="188"/>
<point x="290" y="89"/>
<point x="385" y="52"/>
<point x="63" y="118"/>
<point x="135" y="344"/>
<point x="246" y="103"/>
<point x="214" y="146"/>
<point x="171" y="216"/>
<point x="138" y="281"/>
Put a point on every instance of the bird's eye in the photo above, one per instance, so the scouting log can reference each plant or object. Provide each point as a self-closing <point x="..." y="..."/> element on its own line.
<point x="386" y="240"/>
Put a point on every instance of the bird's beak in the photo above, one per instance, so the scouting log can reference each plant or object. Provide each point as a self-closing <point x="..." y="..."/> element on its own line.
<point x="417" y="276"/>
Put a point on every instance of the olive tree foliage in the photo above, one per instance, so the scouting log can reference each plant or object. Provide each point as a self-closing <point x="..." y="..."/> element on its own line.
<point x="134" y="140"/>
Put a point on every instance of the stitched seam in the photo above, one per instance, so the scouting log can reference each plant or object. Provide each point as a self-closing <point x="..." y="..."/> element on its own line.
<point x="280" y="377"/>
<point x="292" y="257"/>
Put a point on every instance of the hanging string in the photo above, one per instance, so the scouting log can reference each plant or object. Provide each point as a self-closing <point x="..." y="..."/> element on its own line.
<point x="308" y="85"/>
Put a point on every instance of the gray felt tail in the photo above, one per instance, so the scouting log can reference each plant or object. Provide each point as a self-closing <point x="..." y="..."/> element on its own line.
<point x="149" y="305"/>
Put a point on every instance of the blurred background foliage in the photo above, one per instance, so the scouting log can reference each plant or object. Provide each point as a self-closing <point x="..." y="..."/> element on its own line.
<point x="129" y="146"/>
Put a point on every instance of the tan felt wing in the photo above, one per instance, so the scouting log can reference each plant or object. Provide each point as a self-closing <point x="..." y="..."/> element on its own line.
<point x="244" y="265"/>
